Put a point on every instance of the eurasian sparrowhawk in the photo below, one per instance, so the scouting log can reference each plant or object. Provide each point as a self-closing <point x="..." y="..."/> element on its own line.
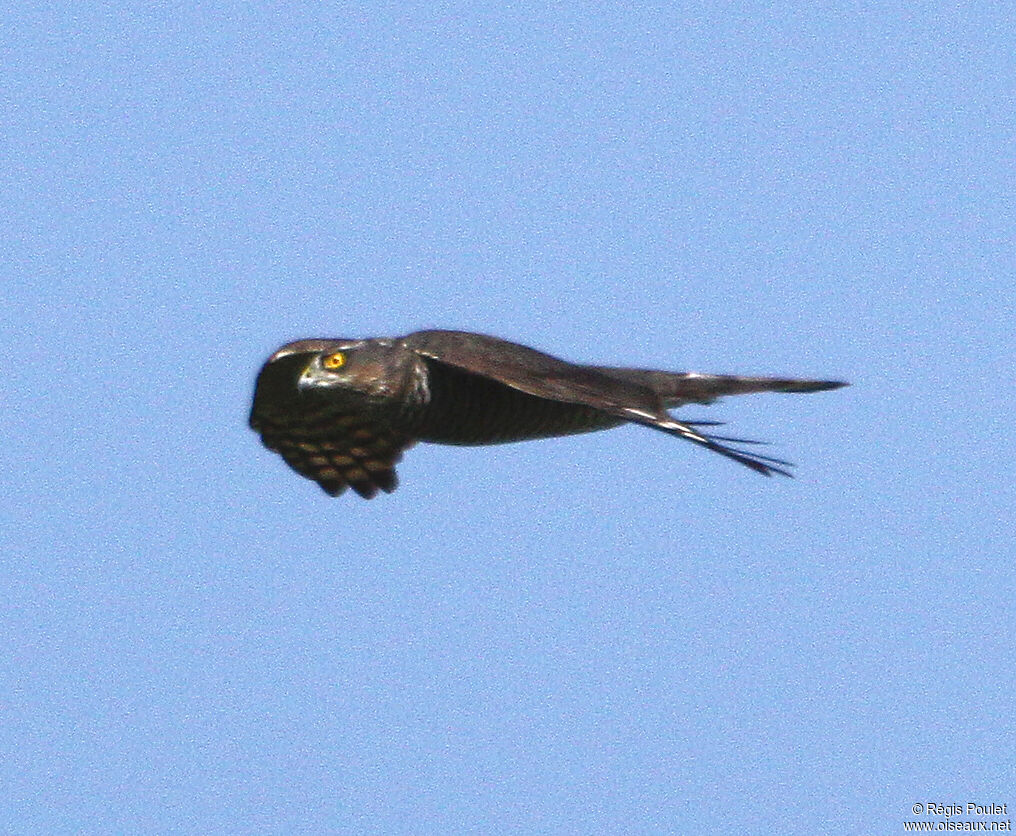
<point x="341" y="412"/>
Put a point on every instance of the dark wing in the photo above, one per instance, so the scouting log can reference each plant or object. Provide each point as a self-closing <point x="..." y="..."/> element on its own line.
<point x="528" y="370"/>
<point x="544" y="376"/>
<point x="680" y="388"/>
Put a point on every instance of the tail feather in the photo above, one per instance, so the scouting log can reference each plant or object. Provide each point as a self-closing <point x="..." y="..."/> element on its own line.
<point x="766" y="465"/>
<point x="676" y="389"/>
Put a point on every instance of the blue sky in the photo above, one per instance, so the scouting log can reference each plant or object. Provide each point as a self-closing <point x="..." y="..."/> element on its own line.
<point x="611" y="633"/>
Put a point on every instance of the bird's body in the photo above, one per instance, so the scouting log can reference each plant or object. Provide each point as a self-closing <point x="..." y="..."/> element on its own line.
<point x="341" y="412"/>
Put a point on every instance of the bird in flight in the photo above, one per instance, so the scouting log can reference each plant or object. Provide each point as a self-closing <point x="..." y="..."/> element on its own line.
<point x="341" y="412"/>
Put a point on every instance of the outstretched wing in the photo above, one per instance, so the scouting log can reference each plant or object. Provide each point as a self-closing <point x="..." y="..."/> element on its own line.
<point x="680" y="388"/>
<point x="544" y="376"/>
<point x="528" y="370"/>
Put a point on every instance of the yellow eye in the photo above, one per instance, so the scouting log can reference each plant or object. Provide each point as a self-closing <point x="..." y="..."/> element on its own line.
<point x="334" y="361"/>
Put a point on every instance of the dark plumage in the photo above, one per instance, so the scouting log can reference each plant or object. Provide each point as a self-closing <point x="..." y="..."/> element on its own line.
<point x="341" y="412"/>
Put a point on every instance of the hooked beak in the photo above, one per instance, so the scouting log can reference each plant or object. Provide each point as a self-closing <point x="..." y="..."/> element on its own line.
<point x="310" y="377"/>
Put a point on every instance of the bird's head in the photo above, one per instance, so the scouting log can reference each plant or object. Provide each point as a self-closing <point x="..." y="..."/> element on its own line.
<point x="341" y="374"/>
<point x="363" y="366"/>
